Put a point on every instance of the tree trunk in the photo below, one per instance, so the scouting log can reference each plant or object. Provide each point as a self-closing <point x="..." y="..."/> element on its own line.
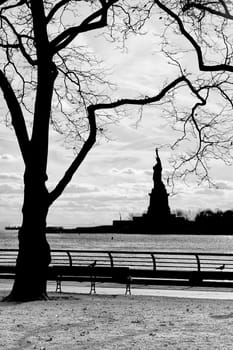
<point x="34" y="251"/>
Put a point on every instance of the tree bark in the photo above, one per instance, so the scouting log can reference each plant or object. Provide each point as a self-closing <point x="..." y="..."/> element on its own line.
<point x="34" y="251"/>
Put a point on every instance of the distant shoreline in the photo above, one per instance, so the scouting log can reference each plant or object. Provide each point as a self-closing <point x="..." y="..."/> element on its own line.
<point x="109" y="229"/>
<point x="59" y="229"/>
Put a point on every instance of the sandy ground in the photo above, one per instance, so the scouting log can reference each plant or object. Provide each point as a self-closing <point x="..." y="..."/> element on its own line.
<point x="81" y="321"/>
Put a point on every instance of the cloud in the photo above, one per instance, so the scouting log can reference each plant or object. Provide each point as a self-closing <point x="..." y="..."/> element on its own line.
<point x="124" y="192"/>
<point x="10" y="176"/>
<point x="81" y="188"/>
<point x="7" y="157"/>
<point x="194" y="197"/>
<point x="122" y="160"/>
<point x="125" y="171"/>
<point x="7" y="188"/>
<point x="224" y="185"/>
<point x="210" y="192"/>
<point x="8" y="203"/>
<point x="148" y="172"/>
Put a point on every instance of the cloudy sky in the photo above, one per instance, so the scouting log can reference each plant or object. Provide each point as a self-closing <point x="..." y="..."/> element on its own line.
<point x="115" y="179"/>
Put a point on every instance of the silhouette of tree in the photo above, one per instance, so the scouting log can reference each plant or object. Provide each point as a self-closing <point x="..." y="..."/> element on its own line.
<point x="43" y="70"/>
<point x="214" y="222"/>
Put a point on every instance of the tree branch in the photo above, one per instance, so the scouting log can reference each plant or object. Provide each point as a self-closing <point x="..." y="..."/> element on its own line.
<point x="18" y="121"/>
<point x="148" y="100"/>
<point x="202" y="65"/>
<point x="79" y="159"/>
<point x="21" y="2"/>
<point x="92" y="134"/>
<point x="202" y="7"/>
<point x="65" y="38"/>
<point x="20" y="43"/>
<point x="55" y="9"/>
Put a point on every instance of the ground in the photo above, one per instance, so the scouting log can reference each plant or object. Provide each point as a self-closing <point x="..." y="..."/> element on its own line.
<point x="108" y="322"/>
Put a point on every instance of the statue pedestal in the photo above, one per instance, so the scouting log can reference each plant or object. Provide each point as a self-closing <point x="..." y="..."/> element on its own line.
<point x="158" y="202"/>
<point x="158" y="211"/>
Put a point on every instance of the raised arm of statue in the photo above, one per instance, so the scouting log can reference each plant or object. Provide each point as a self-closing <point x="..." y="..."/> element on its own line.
<point x="158" y="159"/>
<point x="157" y="176"/>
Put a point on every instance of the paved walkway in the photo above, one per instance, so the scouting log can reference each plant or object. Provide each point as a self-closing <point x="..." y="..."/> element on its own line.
<point x="175" y="292"/>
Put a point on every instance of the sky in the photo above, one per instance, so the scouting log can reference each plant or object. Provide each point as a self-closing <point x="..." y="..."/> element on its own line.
<point x="116" y="177"/>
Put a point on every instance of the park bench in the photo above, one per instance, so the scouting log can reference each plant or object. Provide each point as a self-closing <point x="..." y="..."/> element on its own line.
<point x="154" y="268"/>
<point x="7" y="272"/>
<point x="7" y="263"/>
<point x="94" y="274"/>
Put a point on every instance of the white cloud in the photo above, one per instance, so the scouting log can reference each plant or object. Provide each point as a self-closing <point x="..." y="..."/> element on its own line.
<point x="10" y="188"/>
<point x="7" y="157"/>
<point x="125" y="171"/>
<point x="224" y="185"/>
<point x="10" y="176"/>
<point x="81" y="188"/>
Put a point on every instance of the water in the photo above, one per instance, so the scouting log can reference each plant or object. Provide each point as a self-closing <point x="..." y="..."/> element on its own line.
<point x="182" y="243"/>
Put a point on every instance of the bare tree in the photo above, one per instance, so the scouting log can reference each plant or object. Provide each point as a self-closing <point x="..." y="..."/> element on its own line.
<point x="44" y="70"/>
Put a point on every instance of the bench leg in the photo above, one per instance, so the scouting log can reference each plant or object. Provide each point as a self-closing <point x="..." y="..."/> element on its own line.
<point x="58" y="286"/>
<point x="92" y="290"/>
<point x="128" y="289"/>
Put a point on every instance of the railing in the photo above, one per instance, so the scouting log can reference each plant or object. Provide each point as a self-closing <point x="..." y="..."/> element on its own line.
<point x="156" y="260"/>
<point x="8" y="257"/>
<point x="154" y="264"/>
<point x="140" y="260"/>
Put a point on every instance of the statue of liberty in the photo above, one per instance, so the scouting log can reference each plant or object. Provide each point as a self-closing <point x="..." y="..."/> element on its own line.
<point x="158" y="211"/>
